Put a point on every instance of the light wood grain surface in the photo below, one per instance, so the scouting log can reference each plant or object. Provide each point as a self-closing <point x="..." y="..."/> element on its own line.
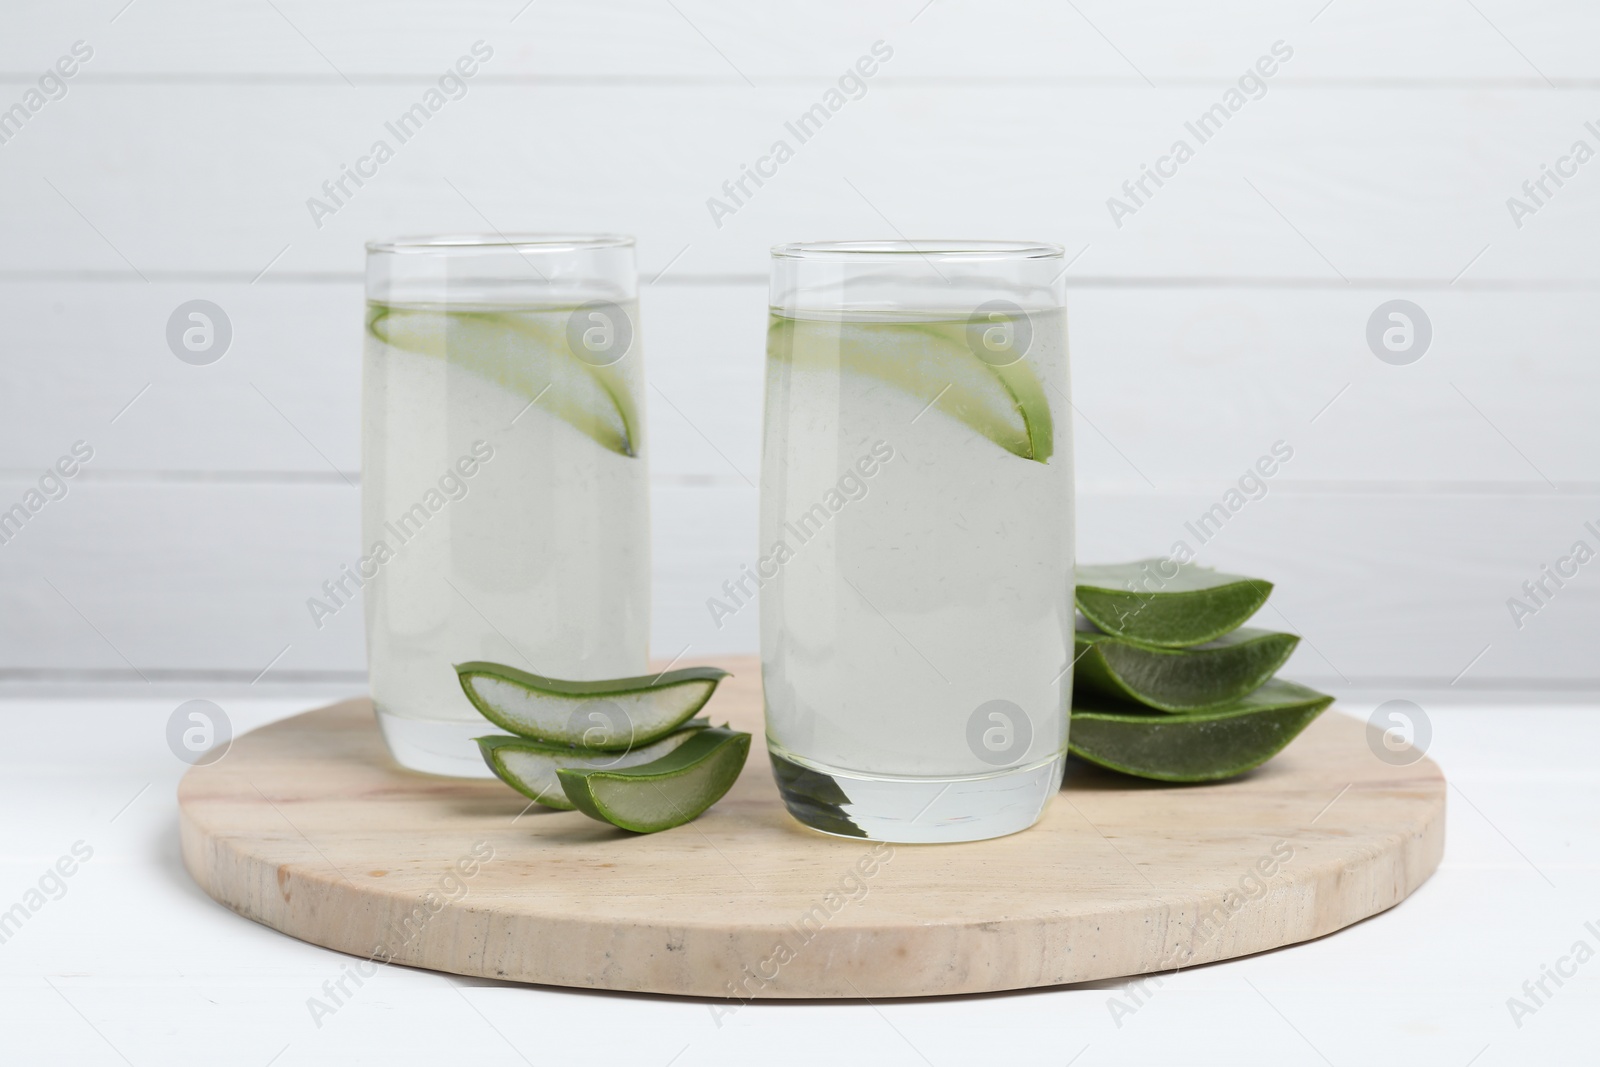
<point x="307" y="826"/>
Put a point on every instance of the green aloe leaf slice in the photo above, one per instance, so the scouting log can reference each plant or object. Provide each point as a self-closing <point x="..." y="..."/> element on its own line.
<point x="524" y="352"/>
<point x="1172" y="605"/>
<point x="666" y="792"/>
<point x="1203" y="746"/>
<point x="932" y="362"/>
<point x="611" y="715"/>
<point x="1199" y="678"/>
<point x="814" y="798"/>
<point x="530" y="767"/>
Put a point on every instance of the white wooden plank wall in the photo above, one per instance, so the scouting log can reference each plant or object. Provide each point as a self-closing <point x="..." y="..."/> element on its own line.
<point x="1227" y="312"/>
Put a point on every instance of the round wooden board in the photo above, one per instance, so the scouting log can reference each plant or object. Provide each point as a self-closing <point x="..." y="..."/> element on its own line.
<point x="308" y="826"/>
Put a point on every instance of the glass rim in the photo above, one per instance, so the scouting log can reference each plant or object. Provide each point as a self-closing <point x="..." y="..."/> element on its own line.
<point x="941" y="249"/>
<point x="500" y="242"/>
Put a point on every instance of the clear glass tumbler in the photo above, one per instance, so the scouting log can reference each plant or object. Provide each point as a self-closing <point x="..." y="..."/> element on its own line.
<point x="505" y="500"/>
<point x="916" y="553"/>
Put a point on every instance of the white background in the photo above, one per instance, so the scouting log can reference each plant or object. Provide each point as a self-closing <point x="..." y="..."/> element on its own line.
<point x="1228" y="313"/>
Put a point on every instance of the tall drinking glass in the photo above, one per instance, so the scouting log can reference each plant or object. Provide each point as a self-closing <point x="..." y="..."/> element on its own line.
<point x="504" y="503"/>
<point x="916" y="551"/>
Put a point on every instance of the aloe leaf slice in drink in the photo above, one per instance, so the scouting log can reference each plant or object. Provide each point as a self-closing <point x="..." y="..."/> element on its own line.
<point x="933" y="362"/>
<point x="523" y="353"/>
<point x="814" y="798"/>
<point x="530" y="766"/>
<point x="1198" y="678"/>
<point x="666" y="792"/>
<point x="609" y="716"/>
<point x="1169" y="604"/>
<point x="1204" y="746"/>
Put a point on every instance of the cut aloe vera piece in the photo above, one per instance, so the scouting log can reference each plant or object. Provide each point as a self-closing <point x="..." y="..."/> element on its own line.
<point x="666" y="792"/>
<point x="612" y="715"/>
<point x="932" y="362"/>
<point x="1173" y="605"/>
<point x="525" y="353"/>
<point x="1203" y="746"/>
<point x="1200" y="678"/>
<point x="530" y="767"/>
<point x="813" y="798"/>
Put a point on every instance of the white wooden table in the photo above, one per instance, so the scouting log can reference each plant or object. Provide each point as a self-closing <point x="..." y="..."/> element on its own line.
<point x="134" y="964"/>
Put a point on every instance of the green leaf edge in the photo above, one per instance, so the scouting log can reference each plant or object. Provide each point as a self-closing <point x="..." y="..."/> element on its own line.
<point x="575" y="781"/>
<point x="1105" y="621"/>
<point x="489" y="747"/>
<point x="1130" y="693"/>
<point x="710" y="676"/>
<point x="1016" y="382"/>
<point x="1310" y="709"/>
<point x="626" y="411"/>
<point x="1017" y="379"/>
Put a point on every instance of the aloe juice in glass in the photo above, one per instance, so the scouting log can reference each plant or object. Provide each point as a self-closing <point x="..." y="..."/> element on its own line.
<point x="505" y="504"/>
<point x="917" y="537"/>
